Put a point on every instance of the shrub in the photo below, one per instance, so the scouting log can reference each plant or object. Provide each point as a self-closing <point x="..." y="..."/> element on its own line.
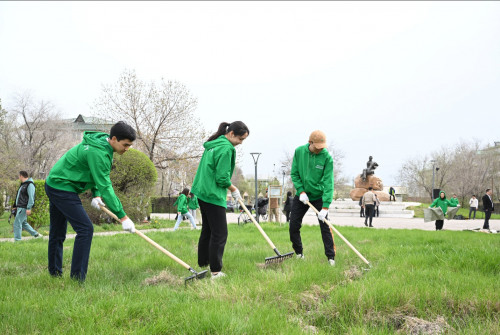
<point x="163" y="204"/>
<point x="40" y="212"/>
<point x="133" y="176"/>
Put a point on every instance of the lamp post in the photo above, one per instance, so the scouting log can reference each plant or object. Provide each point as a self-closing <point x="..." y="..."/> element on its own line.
<point x="432" y="189"/>
<point x="255" y="156"/>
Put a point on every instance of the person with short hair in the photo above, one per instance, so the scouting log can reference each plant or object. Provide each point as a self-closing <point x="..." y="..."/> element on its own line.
<point x="312" y="176"/>
<point x="210" y="185"/>
<point x="474" y="204"/>
<point x="288" y="205"/>
<point x="85" y="166"/>
<point x="454" y="201"/>
<point x="25" y="200"/>
<point x="368" y="204"/>
<point x="488" y="207"/>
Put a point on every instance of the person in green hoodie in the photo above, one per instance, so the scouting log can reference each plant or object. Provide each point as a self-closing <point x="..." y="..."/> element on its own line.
<point x="443" y="203"/>
<point x="454" y="201"/>
<point x="312" y="176"/>
<point x="85" y="166"/>
<point x="212" y="180"/>
<point x="193" y="205"/>
<point x="182" y="209"/>
<point x="25" y="200"/>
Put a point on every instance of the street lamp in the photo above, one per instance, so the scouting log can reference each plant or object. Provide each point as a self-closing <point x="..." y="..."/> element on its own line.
<point x="255" y="156"/>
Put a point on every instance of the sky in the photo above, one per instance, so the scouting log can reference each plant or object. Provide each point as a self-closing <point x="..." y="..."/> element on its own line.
<point x="395" y="80"/>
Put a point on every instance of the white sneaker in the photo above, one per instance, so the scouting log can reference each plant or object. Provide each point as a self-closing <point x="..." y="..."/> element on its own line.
<point x="38" y="235"/>
<point x="332" y="262"/>
<point x="300" y="256"/>
<point x="218" y="275"/>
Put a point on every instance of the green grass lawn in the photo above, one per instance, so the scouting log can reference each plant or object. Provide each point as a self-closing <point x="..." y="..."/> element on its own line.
<point x="446" y="278"/>
<point x="419" y="212"/>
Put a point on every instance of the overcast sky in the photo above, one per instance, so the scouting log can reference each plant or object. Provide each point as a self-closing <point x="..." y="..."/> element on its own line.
<point x="389" y="79"/>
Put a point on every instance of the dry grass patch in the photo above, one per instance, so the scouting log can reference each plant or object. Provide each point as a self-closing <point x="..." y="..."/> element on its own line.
<point x="163" y="278"/>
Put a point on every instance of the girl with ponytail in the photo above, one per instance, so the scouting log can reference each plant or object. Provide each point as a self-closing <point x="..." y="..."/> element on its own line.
<point x="210" y="185"/>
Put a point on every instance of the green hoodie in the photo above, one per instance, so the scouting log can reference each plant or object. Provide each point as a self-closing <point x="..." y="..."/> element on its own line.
<point x="215" y="171"/>
<point x="181" y="203"/>
<point x="313" y="173"/>
<point x="87" y="166"/>
<point x="454" y="202"/>
<point x="443" y="203"/>
<point x="193" y="202"/>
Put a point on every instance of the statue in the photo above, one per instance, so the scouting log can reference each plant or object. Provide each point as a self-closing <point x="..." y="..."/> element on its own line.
<point x="370" y="168"/>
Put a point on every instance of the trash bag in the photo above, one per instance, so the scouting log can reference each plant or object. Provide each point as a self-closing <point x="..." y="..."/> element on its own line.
<point x="433" y="214"/>
<point x="452" y="211"/>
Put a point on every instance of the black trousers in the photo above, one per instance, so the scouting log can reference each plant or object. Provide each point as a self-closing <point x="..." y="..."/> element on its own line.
<point x="439" y="224"/>
<point x="472" y="209"/>
<point x="299" y="209"/>
<point x="362" y="212"/>
<point x="67" y="206"/>
<point x="287" y="213"/>
<point x="487" y="215"/>
<point x="369" y="211"/>
<point x="392" y="196"/>
<point x="213" y="236"/>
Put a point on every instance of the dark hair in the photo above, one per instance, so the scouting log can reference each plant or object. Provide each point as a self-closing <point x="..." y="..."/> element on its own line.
<point x="185" y="191"/>
<point x="23" y="173"/>
<point x="289" y="193"/>
<point x="370" y="188"/>
<point x="473" y="195"/>
<point x="238" y="127"/>
<point x="122" y="131"/>
<point x="488" y="189"/>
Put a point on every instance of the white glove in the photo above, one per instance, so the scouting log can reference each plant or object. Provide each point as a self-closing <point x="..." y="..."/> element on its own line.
<point x="304" y="198"/>
<point x="236" y="195"/>
<point x="127" y="224"/>
<point x="322" y="214"/>
<point x="96" y="202"/>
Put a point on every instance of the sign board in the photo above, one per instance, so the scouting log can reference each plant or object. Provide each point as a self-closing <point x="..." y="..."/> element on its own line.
<point x="274" y="191"/>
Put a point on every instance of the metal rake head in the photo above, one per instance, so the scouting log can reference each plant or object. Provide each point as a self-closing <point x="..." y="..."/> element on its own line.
<point x="195" y="276"/>
<point x="278" y="259"/>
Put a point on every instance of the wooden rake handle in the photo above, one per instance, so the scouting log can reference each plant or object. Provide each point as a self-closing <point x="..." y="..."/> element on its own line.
<point x="150" y="241"/>
<point x="341" y="236"/>
<point x="256" y="224"/>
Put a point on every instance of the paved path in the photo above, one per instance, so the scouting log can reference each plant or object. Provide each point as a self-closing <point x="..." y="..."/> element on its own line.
<point x="310" y="219"/>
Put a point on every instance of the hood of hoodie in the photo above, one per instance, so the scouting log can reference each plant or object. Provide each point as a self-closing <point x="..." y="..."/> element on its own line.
<point x="95" y="139"/>
<point x="444" y="194"/>
<point x="221" y="140"/>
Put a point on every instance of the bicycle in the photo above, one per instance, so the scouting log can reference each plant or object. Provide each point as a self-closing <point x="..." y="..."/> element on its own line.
<point x="243" y="217"/>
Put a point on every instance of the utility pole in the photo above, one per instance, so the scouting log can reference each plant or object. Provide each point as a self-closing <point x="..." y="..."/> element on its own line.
<point x="255" y="156"/>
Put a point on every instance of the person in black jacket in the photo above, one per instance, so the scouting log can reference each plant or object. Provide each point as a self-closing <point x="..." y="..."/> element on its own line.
<point x="288" y="205"/>
<point x="362" y="210"/>
<point x="488" y="208"/>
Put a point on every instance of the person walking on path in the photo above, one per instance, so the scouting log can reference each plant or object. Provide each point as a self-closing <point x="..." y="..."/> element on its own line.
<point x="473" y="205"/>
<point x="312" y="176"/>
<point x="288" y="205"/>
<point x="392" y="194"/>
<point x="274" y="215"/>
<point x="368" y="203"/>
<point x="193" y="205"/>
<point x="182" y="209"/>
<point x="362" y="209"/>
<point x="85" y="166"/>
<point x="377" y="204"/>
<point x="25" y="200"/>
<point x="212" y="180"/>
<point x="443" y="203"/>
<point x="488" y="208"/>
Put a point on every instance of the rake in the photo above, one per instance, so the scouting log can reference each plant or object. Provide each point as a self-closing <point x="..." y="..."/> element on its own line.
<point x="195" y="275"/>
<point x="273" y="259"/>
<point x="341" y="236"/>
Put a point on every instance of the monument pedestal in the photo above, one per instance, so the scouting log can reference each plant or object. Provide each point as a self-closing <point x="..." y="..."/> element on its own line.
<point x="361" y="187"/>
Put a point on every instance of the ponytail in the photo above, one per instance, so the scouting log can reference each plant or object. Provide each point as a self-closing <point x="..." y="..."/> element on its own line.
<point x="238" y="127"/>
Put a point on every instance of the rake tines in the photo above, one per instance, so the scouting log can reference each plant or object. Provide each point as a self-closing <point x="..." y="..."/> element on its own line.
<point x="195" y="276"/>
<point x="278" y="259"/>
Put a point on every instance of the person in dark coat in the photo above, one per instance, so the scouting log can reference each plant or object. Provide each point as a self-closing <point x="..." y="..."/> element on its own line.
<point x="362" y="210"/>
<point x="488" y="208"/>
<point x="288" y="205"/>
